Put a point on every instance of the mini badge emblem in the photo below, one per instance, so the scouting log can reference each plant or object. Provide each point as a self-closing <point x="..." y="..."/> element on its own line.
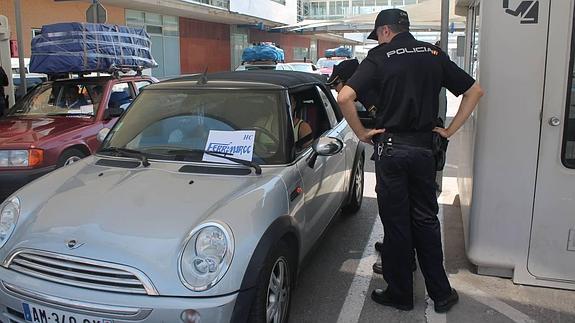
<point x="73" y="244"/>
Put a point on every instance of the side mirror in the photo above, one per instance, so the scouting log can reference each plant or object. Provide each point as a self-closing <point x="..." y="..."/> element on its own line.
<point x="113" y="112"/>
<point x="327" y="146"/>
<point x="102" y="134"/>
<point x="324" y="146"/>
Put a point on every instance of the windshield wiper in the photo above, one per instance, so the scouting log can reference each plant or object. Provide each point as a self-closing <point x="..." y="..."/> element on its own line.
<point x="182" y="153"/>
<point x="125" y="152"/>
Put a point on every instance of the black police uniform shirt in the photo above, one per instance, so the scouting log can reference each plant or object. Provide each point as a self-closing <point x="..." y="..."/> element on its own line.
<point x="407" y="76"/>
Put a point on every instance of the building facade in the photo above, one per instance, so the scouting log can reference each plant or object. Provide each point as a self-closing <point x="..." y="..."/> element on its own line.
<point x="187" y="36"/>
<point x="338" y="9"/>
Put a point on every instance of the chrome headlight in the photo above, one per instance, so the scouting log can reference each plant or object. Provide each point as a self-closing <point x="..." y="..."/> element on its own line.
<point x="206" y="256"/>
<point x="8" y="218"/>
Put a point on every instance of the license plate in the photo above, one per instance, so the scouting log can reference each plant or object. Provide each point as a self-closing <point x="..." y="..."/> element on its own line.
<point x="41" y="314"/>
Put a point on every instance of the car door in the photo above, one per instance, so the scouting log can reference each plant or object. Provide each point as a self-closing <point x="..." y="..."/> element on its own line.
<point x="324" y="183"/>
<point x="552" y="244"/>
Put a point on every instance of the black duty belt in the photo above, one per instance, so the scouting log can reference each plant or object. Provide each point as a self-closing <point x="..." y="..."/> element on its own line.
<point x="418" y="139"/>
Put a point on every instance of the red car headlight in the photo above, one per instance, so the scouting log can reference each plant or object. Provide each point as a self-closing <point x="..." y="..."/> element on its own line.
<point x="21" y="158"/>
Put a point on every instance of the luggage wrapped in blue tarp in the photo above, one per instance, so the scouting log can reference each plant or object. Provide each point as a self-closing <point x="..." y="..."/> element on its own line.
<point x="329" y="52"/>
<point x="263" y="52"/>
<point x="338" y="52"/>
<point x="84" y="47"/>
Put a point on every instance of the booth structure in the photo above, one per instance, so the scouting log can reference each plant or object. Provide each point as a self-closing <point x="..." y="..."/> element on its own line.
<point x="5" y="58"/>
<point x="516" y="169"/>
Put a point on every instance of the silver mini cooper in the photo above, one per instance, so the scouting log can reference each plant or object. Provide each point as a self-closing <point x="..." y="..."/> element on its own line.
<point x="200" y="206"/>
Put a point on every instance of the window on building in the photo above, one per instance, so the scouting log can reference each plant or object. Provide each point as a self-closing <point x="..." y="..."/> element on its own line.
<point x="164" y="33"/>
<point x="356" y="6"/>
<point x="171" y="26"/>
<point x="216" y="3"/>
<point x="318" y="9"/>
<point x="134" y="18"/>
<point x="280" y="1"/>
<point x="299" y="53"/>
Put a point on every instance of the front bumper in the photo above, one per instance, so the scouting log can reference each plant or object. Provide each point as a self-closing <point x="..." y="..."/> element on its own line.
<point x="16" y="289"/>
<point x="14" y="179"/>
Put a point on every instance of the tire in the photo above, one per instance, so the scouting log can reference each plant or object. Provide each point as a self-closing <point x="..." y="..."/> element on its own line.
<point x="280" y="262"/>
<point x="356" y="193"/>
<point x="70" y="156"/>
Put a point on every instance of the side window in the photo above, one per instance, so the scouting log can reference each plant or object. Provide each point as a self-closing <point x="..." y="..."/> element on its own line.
<point x="328" y="107"/>
<point x="568" y="154"/>
<point x="121" y="96"/>
<point x="312" y="116"/>
<point x="142" y="84"/>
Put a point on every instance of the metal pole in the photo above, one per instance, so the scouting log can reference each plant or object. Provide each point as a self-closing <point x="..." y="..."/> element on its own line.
<point x="94" y="12"/>
<point x="444" y="24"/>
<point x="443" y="95"/>
<point x="444" y="47"/>
<point x="20" y="47"/>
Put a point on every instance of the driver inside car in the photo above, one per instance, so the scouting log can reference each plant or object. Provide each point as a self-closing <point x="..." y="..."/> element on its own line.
<point x="302" y="130"/>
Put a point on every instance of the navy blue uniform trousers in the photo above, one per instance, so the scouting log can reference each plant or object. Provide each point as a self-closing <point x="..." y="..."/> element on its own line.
<point x="407" y="200"/>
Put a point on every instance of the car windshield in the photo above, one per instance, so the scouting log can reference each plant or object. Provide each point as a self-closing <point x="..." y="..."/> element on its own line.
<point x="163" y="123"/>
<point x="302" y="67"/>
<point x="60" y="98"/>
<point x="259" y="67"/>
<point x="327" y="63"/>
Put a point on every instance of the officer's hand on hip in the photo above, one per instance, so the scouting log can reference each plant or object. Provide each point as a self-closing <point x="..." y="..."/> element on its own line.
<point x="368" y="135"/>
<point x="443" y="132"/>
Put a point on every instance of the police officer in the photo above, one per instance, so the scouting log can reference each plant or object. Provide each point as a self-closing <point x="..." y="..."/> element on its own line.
<point x="408" y="75"/>
<point x="343" y="72"/>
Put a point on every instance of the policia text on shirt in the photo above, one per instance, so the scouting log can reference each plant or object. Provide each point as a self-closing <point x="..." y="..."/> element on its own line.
<point x="408" y="75"/>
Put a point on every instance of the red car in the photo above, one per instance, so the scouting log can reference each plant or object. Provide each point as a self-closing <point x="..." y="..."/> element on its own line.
<point x="326" y="64"/>
<point x="57" y="123"/>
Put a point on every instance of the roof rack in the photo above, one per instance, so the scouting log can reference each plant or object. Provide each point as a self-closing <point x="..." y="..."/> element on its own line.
<point x="117" y="69"/>
<point x="113" y="71"/>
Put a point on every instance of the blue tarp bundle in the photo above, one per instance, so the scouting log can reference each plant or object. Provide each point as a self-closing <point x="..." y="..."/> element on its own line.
<point x="84" y="47"/>
<point x="338" y="52"/>
<point x="264" y="52"/>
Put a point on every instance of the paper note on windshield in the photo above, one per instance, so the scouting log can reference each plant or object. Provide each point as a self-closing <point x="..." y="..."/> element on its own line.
<point x="87" y="109"/>
<point x="234" y="144"/>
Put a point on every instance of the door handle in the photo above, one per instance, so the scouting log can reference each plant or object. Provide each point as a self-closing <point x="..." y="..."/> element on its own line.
<point x="554" y="121"/>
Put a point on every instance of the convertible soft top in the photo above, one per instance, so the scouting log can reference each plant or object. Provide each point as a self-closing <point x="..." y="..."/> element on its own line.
<point x="287" y="79"/>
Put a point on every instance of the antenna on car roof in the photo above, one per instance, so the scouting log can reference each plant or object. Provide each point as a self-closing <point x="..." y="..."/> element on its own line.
<point x="204" y="78"/>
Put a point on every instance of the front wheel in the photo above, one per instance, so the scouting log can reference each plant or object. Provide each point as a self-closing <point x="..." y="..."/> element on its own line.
<point x="273" y="291"/>
<point x="356" y="192"/>
<point x="69" y="157"/>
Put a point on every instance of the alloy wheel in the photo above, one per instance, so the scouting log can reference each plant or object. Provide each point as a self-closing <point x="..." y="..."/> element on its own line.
<point x="278" y="292"/>
<point x="359" y="181"/>
<point x="71" y="160"/>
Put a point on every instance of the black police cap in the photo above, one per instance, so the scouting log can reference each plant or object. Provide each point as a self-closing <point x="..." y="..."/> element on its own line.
<point x="343" y="71"/>
<point x="389" y="17"/>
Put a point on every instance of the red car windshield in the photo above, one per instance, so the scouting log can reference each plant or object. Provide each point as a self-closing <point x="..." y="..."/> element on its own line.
<point x="60" y="98"/>
<point x="327" y="63"/>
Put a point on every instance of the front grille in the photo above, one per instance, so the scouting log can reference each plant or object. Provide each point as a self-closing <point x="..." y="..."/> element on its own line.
<point x="80" y="272"/>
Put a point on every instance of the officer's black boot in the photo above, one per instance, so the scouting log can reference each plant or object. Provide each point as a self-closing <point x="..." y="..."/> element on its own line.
<point x="385" y="298"/>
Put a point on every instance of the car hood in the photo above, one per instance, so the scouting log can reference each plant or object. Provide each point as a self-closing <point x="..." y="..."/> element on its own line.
<point x="135" y="217"/>
<point x="28" y="130"/>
